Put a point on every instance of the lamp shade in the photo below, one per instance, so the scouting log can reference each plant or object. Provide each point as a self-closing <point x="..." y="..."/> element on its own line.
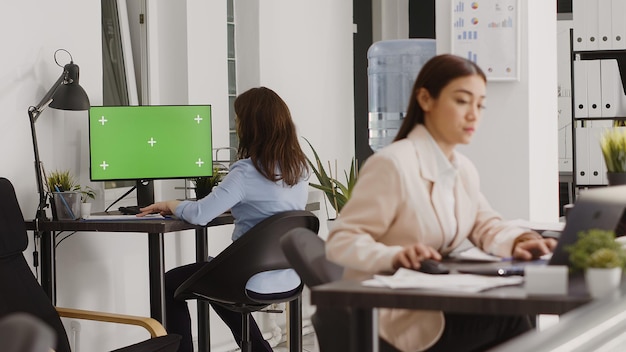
<point x="70" y="95"/>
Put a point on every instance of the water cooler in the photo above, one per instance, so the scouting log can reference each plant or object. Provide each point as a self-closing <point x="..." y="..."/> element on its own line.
<point x="392" y="68"/>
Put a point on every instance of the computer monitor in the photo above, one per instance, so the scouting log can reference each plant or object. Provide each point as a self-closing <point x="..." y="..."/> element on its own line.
<point x="144" y="143"/>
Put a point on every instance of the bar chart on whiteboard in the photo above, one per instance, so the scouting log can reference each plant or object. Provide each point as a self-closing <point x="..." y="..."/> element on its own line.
<point x="487" y="33"/>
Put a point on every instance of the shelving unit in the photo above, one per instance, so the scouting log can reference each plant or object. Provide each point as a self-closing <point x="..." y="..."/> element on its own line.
<point x="598" y="102"/>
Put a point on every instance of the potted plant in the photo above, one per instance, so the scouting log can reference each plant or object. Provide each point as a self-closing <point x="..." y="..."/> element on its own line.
<point x="613" y="145"/>
<point x="601" y="258"/>
<point x="67" y="195"/>
<point x="204" y="185"/>
<point x="337" y="192"/>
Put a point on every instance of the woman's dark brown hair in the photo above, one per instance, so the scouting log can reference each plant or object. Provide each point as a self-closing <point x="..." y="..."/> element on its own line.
<point x="267" y="136"/>
<point x="434" y="76"/>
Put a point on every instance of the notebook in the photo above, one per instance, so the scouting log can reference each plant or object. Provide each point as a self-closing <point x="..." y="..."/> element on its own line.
<point x="596" y="208"/>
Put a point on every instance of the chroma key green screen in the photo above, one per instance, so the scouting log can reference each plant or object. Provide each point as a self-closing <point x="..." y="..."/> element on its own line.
<point x="150" y="142"/>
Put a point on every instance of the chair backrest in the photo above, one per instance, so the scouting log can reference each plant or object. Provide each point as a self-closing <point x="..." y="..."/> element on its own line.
<point x="223" y="279"/>
<point x="13" y="238"/>
<point x="305" y="250"/>
<point x="19" y="289"/>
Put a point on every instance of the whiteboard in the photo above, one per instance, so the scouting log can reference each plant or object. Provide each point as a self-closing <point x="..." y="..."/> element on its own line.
<point x="487" y="33"/>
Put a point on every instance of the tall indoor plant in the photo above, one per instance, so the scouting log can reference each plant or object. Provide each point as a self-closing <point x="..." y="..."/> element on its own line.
<point x="337" y="192"/>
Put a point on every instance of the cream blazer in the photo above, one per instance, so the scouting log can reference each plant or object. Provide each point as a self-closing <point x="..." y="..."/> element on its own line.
<point x="397" y="202"/>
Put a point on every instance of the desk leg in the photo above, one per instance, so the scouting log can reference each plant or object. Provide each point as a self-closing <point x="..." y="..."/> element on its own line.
<point x="204" y="328"/>
<point x="364" y="330"/>
<point x="48" y="267"/>
<point x="156" y="268"/>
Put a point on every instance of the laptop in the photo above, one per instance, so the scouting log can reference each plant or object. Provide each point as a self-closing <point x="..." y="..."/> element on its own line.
<point x="596" y="208"/>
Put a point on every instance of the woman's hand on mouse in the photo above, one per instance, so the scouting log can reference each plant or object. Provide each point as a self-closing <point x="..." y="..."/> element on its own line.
<point x="412" y="255"/>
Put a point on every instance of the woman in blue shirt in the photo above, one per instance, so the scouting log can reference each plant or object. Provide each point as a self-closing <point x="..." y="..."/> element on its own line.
<point x="270" y="177"/>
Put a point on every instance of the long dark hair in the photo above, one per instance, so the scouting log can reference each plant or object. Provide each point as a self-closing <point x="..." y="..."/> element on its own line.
<point x="434" y="76"/>
<point x="267" y="135"/>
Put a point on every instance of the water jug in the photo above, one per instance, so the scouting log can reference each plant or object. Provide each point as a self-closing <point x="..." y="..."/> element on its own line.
<point x="392" y="68"/>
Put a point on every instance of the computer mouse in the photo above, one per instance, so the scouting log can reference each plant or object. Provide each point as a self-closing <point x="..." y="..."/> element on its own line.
<point x="431" y="266"/>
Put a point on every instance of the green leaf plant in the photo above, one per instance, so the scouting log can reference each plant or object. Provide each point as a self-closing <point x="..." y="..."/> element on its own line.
<point x="613" y="145"/>
<point x="338" y="193"/>
<point x="204" y="185"/>
<point x="65" y="182"/>
<point x="596" y="248"/>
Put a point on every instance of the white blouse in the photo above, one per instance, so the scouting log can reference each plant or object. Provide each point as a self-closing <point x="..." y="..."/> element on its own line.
<point x="446" y="183"/>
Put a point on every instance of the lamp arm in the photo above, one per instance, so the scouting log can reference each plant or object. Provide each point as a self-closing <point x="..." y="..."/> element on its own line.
<point x="33" y="113"/>
<point x="45" y="100"/>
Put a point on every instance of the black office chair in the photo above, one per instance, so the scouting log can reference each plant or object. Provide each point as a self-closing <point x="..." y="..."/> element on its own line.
<point x="305" y="250"/>
<point x="222" y="281"/>
<point x="20" y="291"/>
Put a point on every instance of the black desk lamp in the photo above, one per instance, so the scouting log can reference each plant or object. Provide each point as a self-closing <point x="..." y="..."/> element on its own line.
<point x="65" y="94"/>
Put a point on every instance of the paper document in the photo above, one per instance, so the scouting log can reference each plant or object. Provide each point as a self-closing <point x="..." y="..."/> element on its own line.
<point x="124" y="217"/>
<point x="406" y="278"/>
<point x="538" y="226"/>
<point x="475" y="254"/>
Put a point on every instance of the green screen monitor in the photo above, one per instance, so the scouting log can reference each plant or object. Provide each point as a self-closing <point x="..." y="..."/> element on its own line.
<point x="150" y="142"/>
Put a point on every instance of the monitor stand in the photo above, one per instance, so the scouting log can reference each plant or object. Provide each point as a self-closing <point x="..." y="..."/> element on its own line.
<point x="145" y="197"/>
<point x="145" y="193"/>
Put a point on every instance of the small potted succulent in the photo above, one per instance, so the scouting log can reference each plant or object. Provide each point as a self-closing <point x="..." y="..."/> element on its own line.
<point x="601" y="258"/>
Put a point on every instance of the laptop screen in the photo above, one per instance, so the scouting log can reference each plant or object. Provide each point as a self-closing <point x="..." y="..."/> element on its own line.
<point x="596" y="208"/>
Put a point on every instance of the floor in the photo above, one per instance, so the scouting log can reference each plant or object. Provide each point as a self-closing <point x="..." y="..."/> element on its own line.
<point x="309" y="344"/>
<point x="309" y="341"/>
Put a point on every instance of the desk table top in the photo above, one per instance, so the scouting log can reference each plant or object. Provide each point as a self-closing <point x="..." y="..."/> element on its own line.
<point x="139" y="225"/>
<point x="502" y="300"/>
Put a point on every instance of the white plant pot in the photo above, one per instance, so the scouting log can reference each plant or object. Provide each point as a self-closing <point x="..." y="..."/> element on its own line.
<point x="85" y="210"/>
<point x="601" y="281"/>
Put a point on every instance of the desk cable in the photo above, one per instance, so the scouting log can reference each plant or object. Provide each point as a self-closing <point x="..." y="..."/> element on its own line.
<point x="120" y="198"/>
<point x="56" y="244"/>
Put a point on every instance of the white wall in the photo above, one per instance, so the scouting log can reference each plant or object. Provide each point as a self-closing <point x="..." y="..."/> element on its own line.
<point x="28" y="70"/>
<point x="515" y="148"/>
<point x="308" y="64"/>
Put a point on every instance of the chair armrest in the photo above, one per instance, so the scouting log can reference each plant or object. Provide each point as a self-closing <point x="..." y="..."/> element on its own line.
<point x="152" y="325"/>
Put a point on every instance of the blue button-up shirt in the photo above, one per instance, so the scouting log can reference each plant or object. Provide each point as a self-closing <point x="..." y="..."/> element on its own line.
<point x="251" y="198"/>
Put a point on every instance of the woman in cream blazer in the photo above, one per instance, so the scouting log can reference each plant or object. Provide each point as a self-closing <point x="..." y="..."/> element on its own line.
<point x="419" y="199"/>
